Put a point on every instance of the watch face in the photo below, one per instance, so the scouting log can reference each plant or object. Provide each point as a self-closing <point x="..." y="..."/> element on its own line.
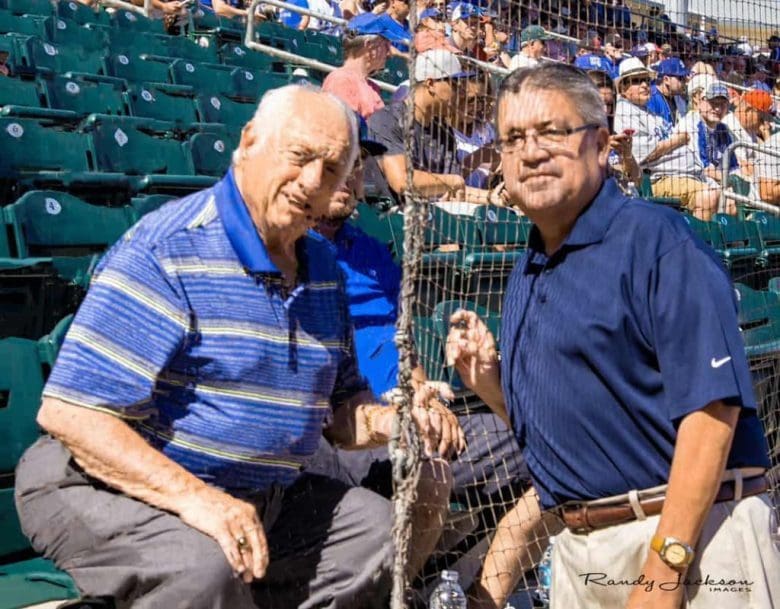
<point x="675" y="554"/>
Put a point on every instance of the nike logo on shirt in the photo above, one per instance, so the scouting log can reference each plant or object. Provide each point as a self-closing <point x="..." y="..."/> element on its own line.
<point x="717" y="363"/>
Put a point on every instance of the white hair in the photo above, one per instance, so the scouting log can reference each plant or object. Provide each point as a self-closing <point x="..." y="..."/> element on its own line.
<point x="275" y="105"/>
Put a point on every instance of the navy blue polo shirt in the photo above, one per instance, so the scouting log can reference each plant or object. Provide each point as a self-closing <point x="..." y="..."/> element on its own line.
<point x="607" y="344"/>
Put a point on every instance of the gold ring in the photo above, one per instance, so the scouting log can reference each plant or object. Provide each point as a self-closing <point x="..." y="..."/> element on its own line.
<point x="243" y="544"/>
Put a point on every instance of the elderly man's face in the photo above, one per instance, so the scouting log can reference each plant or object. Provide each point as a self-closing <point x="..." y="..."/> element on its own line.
<point x="289" y="179"/>
<point x="636" y="89"/>
<point x="545" y="177"/>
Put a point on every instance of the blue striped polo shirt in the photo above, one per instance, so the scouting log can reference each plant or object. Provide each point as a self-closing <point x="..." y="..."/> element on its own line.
<point x="188" y="334"/>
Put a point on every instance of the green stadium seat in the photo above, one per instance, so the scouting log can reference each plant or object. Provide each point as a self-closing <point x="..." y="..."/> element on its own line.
<point x="221" y="109"/>
<point x="21" y="383"/>
<point x="32" y="582"/>
<point x="768" y="227"/>
<point x="395" y="71"/>
<point x="759" y="320"/>
<point x="35" y="295"/>
<point x="206" y="22"/>
<point x="211" y="153"/>
<point x="143" y="205"/>
<point x="28" y="7"/>
<point x="137" y="67"/>
<point x="51" y="223"/>
<point x="502" y="226"/>
<point x="69" y="33"/>
<point x="143" y="148"/>
<point x="329" y="53"/>
<point x="49" y="345"/>
<point x="45" y="57"/>
<point x="41" y="150"/>
<point x="136" y="22"/>
<point x="16" y="93"/>
<point x="429" y="349"/>
<point x="28" y="25"/>
<point x="174" y="103"/>
<point x="371" y="222"/>
<point x="238" y="55"/>
<point x="83" y="95"/>
<point x="81" y="13"/>
<point x="203" y="76"/>
<point x="741" y="247"/>
<point x="129" y="41"/>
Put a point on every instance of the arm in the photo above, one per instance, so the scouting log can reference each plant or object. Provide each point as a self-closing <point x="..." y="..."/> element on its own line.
<point x="666" y="146"/>
<point x="518" y="544"/>
<point x="425" y="183"/>
<point x="304" y="24"/>
<point x="697" y="469"/>
<point x="769" y="190"/>
<point x="129" y="464"/>
<point x="223" y="9"/>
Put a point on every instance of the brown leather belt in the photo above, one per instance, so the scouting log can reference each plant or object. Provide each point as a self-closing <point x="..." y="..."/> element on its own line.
<point x="584" y="518"/>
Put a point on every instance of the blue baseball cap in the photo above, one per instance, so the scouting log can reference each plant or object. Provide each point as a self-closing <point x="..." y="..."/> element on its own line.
<point x="715" y="89"/>
<point x="382" y="25"/>
<point x="463" y="10"/>
<point x="640" y="50"/>
<point x="430" y="13"/>
<point x="593" y="62"/>
<point x="672" y="67"/>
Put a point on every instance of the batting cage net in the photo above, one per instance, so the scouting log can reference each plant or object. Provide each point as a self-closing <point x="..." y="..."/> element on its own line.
<point x="705" y="72"/>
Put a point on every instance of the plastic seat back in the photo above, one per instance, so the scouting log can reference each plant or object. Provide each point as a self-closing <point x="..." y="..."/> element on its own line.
<point x="30" y="145"/>
<point x="221" y="109"/>
<point x="173" y="103"/>
<point x="211" y="154"/>
<point x="84" y="96"/>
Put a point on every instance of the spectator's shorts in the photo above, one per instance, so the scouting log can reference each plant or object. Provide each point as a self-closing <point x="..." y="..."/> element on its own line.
<point x="679" y="187"/>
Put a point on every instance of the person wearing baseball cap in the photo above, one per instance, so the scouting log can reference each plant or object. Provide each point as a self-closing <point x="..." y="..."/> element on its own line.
<point x="366" y="45"/>
<point x="431" y="32"/>
<point x="666" y="94"/>
<point x="438" y="74"/>
<point x="533" y="43"/>
<point x="747" y="126"/>
<point x="465" y="22"/>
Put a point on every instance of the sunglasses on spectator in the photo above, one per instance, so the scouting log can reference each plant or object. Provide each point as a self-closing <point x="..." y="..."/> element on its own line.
<point x="638" y="80"/>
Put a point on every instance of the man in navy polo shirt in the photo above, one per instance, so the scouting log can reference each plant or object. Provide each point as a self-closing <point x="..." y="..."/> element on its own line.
<point x="624" y="378"/>
<point x="213" y="348"/>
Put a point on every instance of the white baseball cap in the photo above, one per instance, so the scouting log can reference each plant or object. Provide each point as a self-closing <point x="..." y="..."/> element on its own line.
<point x="438" y="64"/>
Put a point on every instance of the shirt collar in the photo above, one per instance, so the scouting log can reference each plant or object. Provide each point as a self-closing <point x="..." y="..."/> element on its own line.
<point x="240" y="228"/>
<point x="593" y="221"/>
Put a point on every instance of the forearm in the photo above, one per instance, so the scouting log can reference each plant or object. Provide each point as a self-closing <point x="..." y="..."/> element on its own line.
<point x="360" y="423"/>
<point x="223" y="9"/>
<point x="517" y="545"/>
<point x="108" y="449"/>
<point x="769" y="190"/>
<point x="665" y="147"/>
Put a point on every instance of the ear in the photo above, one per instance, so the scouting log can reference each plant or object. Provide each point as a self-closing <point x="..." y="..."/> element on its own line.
<point x="248" y="138"/>
<point x="602" y="141"/>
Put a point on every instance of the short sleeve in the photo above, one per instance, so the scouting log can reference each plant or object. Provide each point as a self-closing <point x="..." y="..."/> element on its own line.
<point x="696" y="335"/>
<point x="128" y="328"/>
<point x="385" y="128"/>
<point x="344" y="87"/>
<point x="768" y="166"/>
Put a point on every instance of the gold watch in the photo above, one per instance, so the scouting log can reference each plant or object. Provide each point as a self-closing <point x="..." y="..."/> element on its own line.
<point x="675" y="553"/>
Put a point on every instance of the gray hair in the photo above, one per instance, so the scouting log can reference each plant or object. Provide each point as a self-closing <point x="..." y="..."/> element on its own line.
<point x="352" y="43"/>
<point x="572" y="82"/>
<point x="276" y="103"/>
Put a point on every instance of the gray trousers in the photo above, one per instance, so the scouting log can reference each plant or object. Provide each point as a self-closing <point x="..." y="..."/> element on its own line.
<point x="329" y="544"/>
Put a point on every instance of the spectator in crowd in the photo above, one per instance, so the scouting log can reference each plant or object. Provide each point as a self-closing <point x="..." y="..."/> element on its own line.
<point x="622" y="164"/>
<point x="744" y="47"/>
<point x="726" y="67"/>
<point x="184" y="400"/>
<point x="366" y="44"/>
<point x="473" y="129"/>
<point x="666" y="94"/>
<point x="670" y="163"/>
<point x="465" y="20"/>
<point x="774" y="47"/>
<point x="326" y="8"/>
<point x="734" y="83"/>
<point x="649" y="418"/>
<point x="757" y="78"/>
<point x="640" y="52"/>
<point x="293" y="20"/>
<point x="432" y="32"/>
<point x="768" y="171"/>
<point x="747" y="126"/>
<point x="533" y="43"/>
<point x="437" y="172"/>
<point x="613" y="51"/>
<point x="707" y="137"/>
<point x="225" y="8"/>
<point x="591" y="57"/>
<point x="619" y="16"/>
<point x="399" y="11"/>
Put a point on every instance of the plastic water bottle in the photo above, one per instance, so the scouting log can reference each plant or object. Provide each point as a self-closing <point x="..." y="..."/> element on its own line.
<point x="544" y="574"/>
<point x="448" y="594"/>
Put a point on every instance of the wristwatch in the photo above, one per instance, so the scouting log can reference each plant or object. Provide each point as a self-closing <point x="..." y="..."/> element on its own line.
<point x="675" y="553"/>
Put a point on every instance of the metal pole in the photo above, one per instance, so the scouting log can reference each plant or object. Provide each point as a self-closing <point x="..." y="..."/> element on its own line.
<point x="724" y="179"/>
<point x="301" y="11"/>
<point x="249" y="42"/>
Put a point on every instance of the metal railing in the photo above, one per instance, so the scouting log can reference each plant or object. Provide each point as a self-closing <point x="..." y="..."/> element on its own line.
<point x="144" y="10"/>
<point x="249" y="42"/>
<point x="725" y="193"/>
<point x="301" y="11"/>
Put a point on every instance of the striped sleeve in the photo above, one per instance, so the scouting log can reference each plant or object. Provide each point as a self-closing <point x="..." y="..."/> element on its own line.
<point x="129" y="326"/>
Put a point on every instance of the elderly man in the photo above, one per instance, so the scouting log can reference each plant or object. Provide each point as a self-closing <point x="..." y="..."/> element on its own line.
<point x="672" y="167"/>
<point x="437" y="173"/>
<point x="630" y="395"/>
<point x="366" y="47"/>
<point x="212" y="349"/>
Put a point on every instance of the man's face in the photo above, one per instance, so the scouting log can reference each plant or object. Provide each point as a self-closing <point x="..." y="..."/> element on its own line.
<point x="608" y="97"/>
<point x="346" y="197"/>
<point x="536" y="48"/>
<point x="751" y="118"/>
<point x="377" y="50"/>
<point x="549" y="179"/>
<point x="713" y="110"/>
<point x="468" y="100"/>
<point x="740" y="65"/>
<point x="289" y="179"/>
<point x="636" y="89"/>
<point x="468" y="30"/>
<point x="612" y="51"/>
<point x="675" y="84"/>
<point x="400" y="8"/>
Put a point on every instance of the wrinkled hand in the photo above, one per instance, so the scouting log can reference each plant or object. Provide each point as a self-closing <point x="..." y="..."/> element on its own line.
<point x="227" y="519"/>
<point x="439" y="427"/>
<point x="471" y="348"/>
<point x="379" y="8"/>
<point x="621" y="143"/>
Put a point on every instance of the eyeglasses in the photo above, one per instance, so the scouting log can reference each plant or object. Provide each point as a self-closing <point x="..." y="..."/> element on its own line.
<point x="638" y="80"/>
<point x="549" y="138"/>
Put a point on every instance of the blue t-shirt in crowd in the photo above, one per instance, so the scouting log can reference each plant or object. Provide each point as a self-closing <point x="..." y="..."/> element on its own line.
<point x="659" y="105"/>
<point x="289" y="18"/>
<point x="607" y="344"/>
<point x="188" y="334"/>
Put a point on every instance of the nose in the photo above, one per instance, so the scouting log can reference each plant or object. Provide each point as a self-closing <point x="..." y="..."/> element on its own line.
<point x="532" y="153"/>
<point x="311" y="176"/>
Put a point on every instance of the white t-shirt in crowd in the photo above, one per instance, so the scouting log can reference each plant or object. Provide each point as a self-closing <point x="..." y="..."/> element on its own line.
<point x="522" y="61"/>
<point x="740" y="134"/>
<point x="768" y="166"/>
